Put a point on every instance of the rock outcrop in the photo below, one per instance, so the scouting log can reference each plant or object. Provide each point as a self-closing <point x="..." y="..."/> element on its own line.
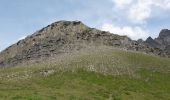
<point x="67" y="36"/>
<point x="162" y="42"/>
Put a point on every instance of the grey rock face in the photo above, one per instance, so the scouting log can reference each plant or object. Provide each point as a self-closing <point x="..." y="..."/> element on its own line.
<point x="152" y="42"/>
<point x="162" y="42"/>
<point x="63" y="37"/>
<point x="164" y="33"/>
<point x="164" y="37"/>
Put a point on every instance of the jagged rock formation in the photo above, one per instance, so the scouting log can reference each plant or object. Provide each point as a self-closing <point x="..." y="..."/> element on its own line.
<point x="162" y="42"/>
<point x="67" y="36"/>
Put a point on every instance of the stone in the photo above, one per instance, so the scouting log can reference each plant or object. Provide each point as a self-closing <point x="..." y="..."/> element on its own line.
<point x="66" y="36"/>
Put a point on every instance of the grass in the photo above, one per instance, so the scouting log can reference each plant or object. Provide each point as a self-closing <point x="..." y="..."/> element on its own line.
<point x="106" y="74"/>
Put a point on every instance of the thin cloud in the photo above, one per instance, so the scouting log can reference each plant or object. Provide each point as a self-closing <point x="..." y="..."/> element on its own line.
<point x="138" y="11"/>
<point x="122" y="3"/>
<point x="141" y="11"/>
<point x="21" y="38"/>
<point x="132" y="32"/>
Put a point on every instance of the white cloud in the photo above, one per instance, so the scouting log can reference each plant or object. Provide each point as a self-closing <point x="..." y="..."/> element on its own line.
<point x="141" y="11"/>
<point x="165" y="4"/>
<point x="132" y="32"/>
<point x="21" y="38"/>
<point x="121" y="3"/>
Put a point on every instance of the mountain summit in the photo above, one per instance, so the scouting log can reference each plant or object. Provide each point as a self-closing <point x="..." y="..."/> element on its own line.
<point x="68" y="36"/>
<point x="162" y="42"/>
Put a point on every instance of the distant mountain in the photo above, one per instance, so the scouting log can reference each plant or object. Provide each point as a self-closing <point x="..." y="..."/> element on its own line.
<point x="69" y="36"/>
<point x="162" y="42"/>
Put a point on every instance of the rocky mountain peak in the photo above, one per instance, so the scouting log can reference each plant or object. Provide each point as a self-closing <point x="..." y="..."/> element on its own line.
<point x="64" y="37"/>
<point x="162" y="42"/>
<point x="149" y="39"/>
<point x="64" y="23"/>
<point x="164" y="33"/>
<point x="60" y="27"/>
<point x="57" y="38"/>
<point x="152" y="42"/>
<point x="164" y="37"/>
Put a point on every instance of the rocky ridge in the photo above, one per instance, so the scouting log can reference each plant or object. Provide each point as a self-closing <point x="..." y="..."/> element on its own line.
<point x="67" y="36"/>
<point x="162" y="42"/>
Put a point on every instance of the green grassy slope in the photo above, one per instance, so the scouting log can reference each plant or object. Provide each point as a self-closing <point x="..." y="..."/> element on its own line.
<point x="97" y="74"/>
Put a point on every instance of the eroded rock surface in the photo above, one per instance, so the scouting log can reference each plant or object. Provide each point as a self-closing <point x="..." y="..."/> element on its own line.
<point x="67" y="36"/>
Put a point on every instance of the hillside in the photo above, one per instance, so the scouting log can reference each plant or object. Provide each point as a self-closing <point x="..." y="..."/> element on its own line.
<point x="92" y="74"/>
<point x="68" y="60"/>
<point x="67" y="36"/>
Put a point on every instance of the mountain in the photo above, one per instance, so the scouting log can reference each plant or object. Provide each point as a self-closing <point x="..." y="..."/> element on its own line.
<point x="162" y="42"/>
<point x="68" y="60"/>
<point x="68" y="36"/>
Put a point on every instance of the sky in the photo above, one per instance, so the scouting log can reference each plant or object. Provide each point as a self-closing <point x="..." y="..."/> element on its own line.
<point x="137" y="19"/>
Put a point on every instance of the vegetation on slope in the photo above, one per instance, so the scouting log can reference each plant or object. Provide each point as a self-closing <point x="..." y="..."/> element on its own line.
<point x="93" y="74"/>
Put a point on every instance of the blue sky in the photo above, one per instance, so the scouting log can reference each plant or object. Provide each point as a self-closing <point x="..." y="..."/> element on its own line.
<point x="134" y="18"/>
